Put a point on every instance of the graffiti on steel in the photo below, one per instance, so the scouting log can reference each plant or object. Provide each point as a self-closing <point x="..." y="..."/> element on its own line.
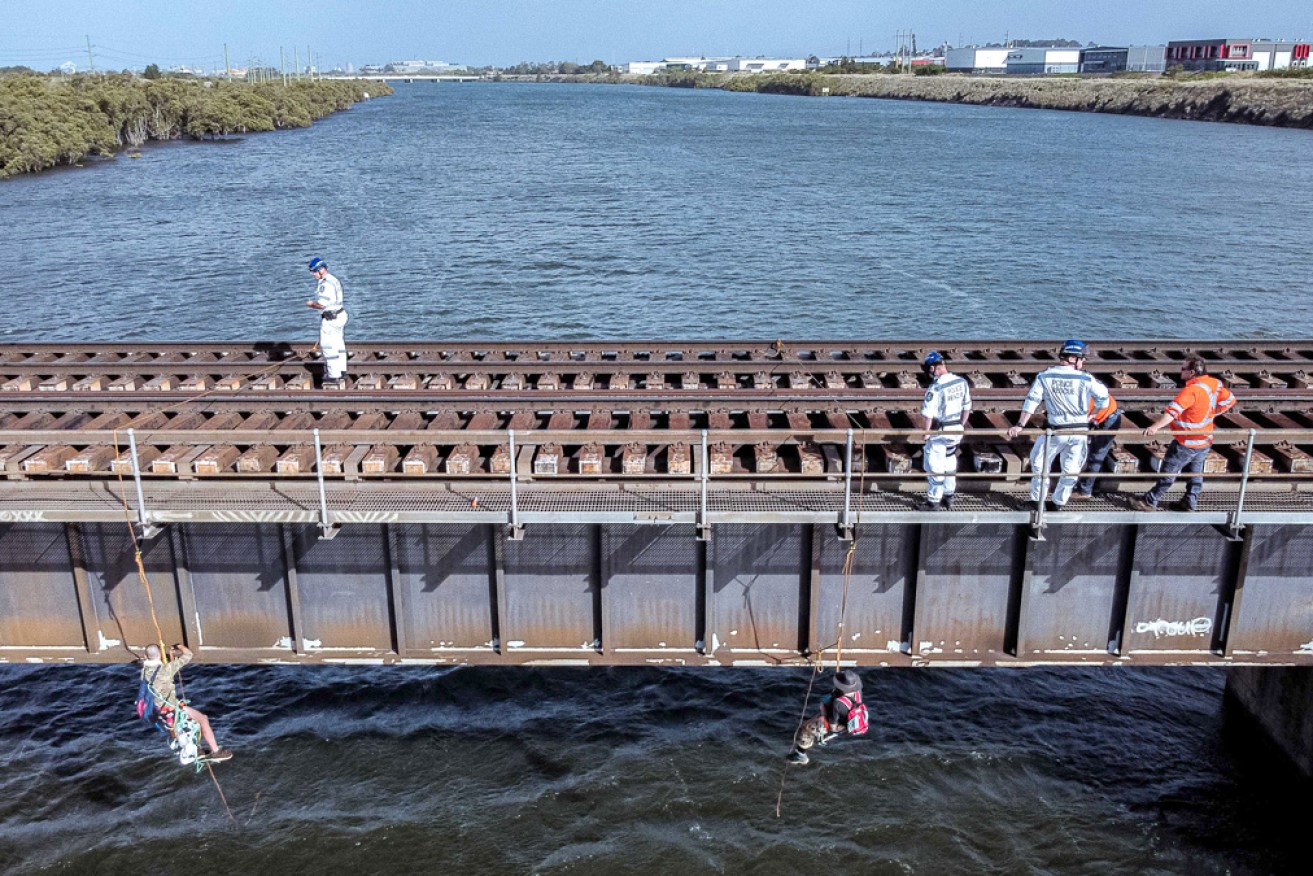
<point x="1200" y="626"/>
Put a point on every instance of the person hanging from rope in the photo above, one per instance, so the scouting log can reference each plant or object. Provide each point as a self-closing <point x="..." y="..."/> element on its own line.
<point x="158" y="679"/>
<point x="842" y="712"/>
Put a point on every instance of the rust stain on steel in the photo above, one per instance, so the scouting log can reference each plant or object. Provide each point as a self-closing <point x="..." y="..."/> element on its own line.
<point x="1173" y="602"/>
<point x="962" y="599"/>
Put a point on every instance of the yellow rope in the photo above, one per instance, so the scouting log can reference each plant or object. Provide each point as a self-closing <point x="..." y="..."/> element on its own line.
<point x="806" y="702"/>
<point x="136" y="543"/>
<point x="222" y="797"/>
<point x="136" y="550"/>
<point x="843" y="610"/>
<point x="851" y="555"/>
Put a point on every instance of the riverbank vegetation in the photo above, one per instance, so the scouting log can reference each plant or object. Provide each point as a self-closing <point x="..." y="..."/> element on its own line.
<point x="47" y="121"/>
<point x="1284" y="100"/>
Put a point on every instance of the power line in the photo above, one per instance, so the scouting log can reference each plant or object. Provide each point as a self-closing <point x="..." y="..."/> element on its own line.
<point x="210" y="60"/>
<point x="148" y="57"/>
<point x="39" y="53"/>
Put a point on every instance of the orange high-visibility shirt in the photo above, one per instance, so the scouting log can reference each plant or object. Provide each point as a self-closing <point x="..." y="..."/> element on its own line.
<point x="1102" y="414"/>
<point x="1196" y="406"/>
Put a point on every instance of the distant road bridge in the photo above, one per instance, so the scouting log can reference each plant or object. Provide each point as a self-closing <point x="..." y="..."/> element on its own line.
<point x="411" y="77"/>
<point x="629" y="502"/>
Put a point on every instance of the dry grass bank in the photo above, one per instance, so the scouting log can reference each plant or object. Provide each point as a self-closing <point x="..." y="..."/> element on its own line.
<point x="1245" y="100"/>
<point x="1238" y="98"/>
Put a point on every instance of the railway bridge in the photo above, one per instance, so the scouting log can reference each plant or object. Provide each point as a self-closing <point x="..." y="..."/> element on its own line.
<point x="692" y="503"/>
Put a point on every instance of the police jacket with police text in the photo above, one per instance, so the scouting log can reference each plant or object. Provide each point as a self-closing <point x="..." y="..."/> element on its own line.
<point x="329" y="293"/>
<point x="947" y="402"/>
<point x="1066" y="394"/>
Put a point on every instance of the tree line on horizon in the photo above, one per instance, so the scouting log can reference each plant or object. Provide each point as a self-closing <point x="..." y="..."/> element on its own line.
<point x="48" y="120"/>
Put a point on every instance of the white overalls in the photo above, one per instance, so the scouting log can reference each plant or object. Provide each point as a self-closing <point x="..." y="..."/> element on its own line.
<point x="947" y="404"/>
<point x="1066" y="393"/>
<point x="332" y="325"/>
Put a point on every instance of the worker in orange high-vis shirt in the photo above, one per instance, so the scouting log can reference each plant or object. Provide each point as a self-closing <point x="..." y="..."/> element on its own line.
<point x="1106" y="420"/>
<point x="1193" y="410"/>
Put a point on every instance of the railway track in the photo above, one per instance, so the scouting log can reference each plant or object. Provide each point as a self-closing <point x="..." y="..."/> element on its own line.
<point x="605" y="409"/>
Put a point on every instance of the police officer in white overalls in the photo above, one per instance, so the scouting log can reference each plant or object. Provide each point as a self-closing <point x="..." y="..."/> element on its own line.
<point x="332" y="324"/>
<point x="1066" y="392"/>
<point x="944" y="414"/>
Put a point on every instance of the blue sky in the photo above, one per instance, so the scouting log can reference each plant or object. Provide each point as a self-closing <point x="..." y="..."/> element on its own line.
<point x="131" y="33"/>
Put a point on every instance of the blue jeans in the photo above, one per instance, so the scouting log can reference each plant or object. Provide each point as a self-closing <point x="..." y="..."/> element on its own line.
<point x="1100" y="448"/>
<point x="1180" y="458"/>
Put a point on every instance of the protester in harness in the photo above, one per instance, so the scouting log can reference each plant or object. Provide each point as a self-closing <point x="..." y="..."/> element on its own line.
<point x="158" y="702"/>
<point x="842" y="712"/>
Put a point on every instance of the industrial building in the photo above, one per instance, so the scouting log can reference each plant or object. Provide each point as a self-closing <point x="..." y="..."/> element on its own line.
<point x="643" y="68"/>
<point x="1146" y="59"/>
<point x="976" y="60"/>
<point x="1035" y="60"/>
<point x="717" y="65"/>
<point x="1030" y="60"/>
<point x="1236" y="54"/>
<point x="1191" y="55"/>
<point x="1103" y="59"/>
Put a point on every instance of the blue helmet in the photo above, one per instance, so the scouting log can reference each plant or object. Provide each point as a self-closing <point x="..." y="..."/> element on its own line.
<point x="316" y="264"/>
<point x="930" y="361"/>
<point x="1073" y="348"/>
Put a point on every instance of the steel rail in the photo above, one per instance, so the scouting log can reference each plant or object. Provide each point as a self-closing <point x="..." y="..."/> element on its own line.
<point x="1100" y="349"/>
<point x="374" y="365"/>
<point x="818" y="399"/>
<point x="574" y="436"/>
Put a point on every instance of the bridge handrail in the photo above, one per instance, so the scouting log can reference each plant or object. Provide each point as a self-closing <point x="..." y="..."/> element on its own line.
<point x="611" y="437"/>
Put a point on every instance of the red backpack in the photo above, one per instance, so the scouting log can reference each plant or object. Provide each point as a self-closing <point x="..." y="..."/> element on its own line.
<point x="858" y="720"/>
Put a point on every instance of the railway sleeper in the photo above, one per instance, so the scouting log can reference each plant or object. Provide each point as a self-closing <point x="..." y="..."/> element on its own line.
<point x="90" y="460"/>
<point x="381" y="459"/>
<point x="146" y="457"/>
<point x="47" y="460"/>
<point x="260" y="458"/>
<point x="633" y="459"/>
<point x="177" y="460"/>
<point x="810" y="459"/>
<point x="216" y="460"/>
<point x="422" y="459"/>
<point x="721" y="457"/>
<point x="766" y="458"/>
<point x="463" y="460"/>
<point x="547" y="460"/>
<point x="592" y="459"/>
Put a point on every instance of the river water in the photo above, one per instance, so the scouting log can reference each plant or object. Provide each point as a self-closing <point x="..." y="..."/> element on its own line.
<point x="573" y="212"/>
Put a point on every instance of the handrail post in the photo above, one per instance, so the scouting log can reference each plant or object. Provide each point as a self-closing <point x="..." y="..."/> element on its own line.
<point x="517" y="532"/>
<point x="143" y="517"/>
<point x="1236" y="525"/>
<point x="326" y="528"/>
<point x="847" y="525"/>
<point x="704" y="473"/>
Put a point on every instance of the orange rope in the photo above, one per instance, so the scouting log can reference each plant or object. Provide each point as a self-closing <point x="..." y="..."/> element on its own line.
<point x="843" y="610"/>
<point x="136" y="542"/>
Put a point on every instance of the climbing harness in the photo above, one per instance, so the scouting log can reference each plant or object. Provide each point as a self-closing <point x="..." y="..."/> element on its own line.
<point x="858" y="719"/>
<point x="170" y="719"/>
